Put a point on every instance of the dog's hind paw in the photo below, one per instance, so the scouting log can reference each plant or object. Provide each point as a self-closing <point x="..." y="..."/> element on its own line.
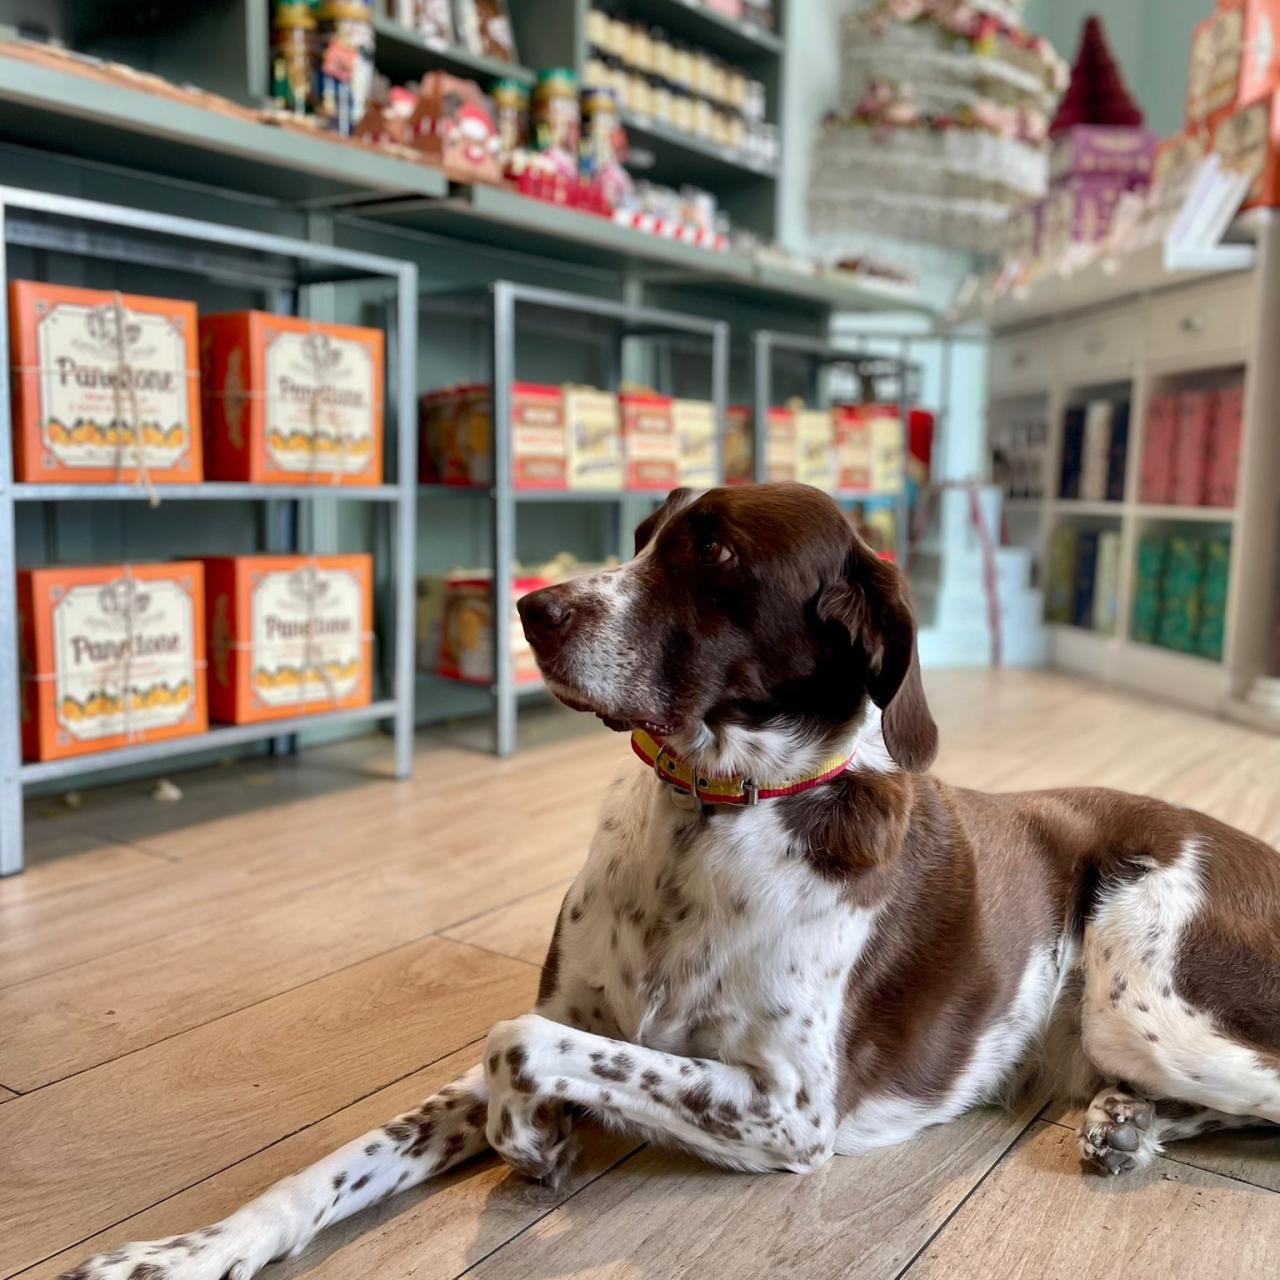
<point x="1118" y="1134"/>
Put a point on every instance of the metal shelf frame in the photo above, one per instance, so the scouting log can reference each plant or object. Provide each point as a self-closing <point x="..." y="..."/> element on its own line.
<point x="504" y="299"/>
<point x="279" y="267"/>
<point x="821" y="354"/>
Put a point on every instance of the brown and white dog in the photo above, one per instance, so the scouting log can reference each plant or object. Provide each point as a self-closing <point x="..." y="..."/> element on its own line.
<point x="770" y="979"/>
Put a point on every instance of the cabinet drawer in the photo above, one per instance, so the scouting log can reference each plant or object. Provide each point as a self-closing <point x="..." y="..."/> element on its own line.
<point x="1022" y="359"/>
<point x="1103" y="344"/>
<point x="1202" y="322"/>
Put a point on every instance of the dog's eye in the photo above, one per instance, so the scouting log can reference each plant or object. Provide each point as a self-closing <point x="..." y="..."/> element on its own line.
<point x="713" y="551"/>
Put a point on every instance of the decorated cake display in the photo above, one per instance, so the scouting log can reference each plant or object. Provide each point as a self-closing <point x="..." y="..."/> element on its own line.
<point x="945" y="124"/>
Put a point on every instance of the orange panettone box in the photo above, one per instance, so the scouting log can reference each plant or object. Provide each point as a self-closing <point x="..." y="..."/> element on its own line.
<point x="111" y="655"/>
<point x="288" y="635"/>
<point x="290" y="401"/>
<point x="103" y="382"/>
<point x="1235" y="58"/>
<point x="1248" y="142"/>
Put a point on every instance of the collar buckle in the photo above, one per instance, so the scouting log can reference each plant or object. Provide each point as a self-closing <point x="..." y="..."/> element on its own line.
<point x="666" y="767"/>
<point x="750" y="793"/>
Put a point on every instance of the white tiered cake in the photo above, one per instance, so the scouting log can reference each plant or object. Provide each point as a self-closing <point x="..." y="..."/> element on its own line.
<point x="944" y="127"/>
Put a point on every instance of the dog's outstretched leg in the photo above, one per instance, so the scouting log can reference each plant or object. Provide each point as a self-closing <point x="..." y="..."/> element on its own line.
<point x="1123" y="1131"/>
<point x="446" y="1129"/>
<point x="737" y="1115"/>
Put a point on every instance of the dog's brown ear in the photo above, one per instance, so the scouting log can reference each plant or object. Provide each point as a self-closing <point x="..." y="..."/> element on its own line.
<point x="677" y="500"/>
<point x="873" y="602"/>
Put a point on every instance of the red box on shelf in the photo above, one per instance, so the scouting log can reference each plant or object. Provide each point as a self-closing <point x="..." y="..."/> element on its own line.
<point x="1195" y="424"/>
<point x="650" y="448"/>
<point x="1224" y="448"/>
<point x="1158" y="450"/>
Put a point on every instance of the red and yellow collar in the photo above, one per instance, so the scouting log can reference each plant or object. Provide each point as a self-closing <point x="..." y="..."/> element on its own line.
<point x="733" y="789"/>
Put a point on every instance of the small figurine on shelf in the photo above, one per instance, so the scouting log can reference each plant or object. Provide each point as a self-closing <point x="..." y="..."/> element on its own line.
<point x="511" y="107"/>
<point x="453" y="125"/>
<point x="603" y="149"/>
<point x="387" y="120"/>
<point x="345" y="75"/>
<point x="293" y="48"/>
<point x="557" y="120"/>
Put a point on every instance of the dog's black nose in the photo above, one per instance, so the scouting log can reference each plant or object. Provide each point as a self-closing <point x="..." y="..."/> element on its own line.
<point x="544" y="611"/>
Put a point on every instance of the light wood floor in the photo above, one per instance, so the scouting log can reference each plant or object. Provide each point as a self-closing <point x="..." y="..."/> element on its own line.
<point x="198" y="998"/>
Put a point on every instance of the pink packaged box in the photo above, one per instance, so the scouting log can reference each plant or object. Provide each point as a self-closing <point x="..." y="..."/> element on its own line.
<point x="1158" y="449"/>
<point x="1094" y="150"/>
<point x="1224" y="448"/>
<point x="1195" y="422"/>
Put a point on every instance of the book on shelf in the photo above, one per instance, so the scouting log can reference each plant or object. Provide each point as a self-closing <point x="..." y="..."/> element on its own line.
<point x="1095" y="455"/>
<point x="1117" y="452"/>
<point x="1147" y="587"/>
<point x="1106" y="582"/>
<point x="1181" y="594"/>
<point x="1086" y="574"/>
<point x="1224" y="448"/>
<point x="1072" y="452"/>
<point x="1158" y="449"/>
<point x="1211" y="634"/>
<point x="1195" y="424"/>
<point x="1060" y="597"/>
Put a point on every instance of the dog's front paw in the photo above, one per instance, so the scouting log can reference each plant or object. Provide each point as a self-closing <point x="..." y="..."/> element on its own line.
<point x="1117" y="1134"/>
<point x="210" y="1254"/>
<point x="528" y="1126"/>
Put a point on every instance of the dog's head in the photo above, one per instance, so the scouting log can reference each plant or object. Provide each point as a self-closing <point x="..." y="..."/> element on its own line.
<point x="747" y="613"/>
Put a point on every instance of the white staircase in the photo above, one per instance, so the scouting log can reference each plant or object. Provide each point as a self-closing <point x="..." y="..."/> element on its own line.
<point x="947" y="580"/>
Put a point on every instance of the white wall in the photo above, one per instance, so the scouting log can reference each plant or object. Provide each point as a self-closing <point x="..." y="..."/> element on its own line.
<point x="811" y="88"/>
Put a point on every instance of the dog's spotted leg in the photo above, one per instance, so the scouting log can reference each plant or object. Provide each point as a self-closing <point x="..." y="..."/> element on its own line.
<point x="735" y="1115"/>
<point x="446" y="1129"/>
<point x="1123" y="1131"/>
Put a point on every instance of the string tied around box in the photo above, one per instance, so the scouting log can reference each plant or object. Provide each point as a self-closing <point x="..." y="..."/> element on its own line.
<point x="124" y="383"/>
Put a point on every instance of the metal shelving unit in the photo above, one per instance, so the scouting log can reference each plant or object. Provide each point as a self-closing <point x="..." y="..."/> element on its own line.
<point x="819" y="355"/>
<point x="280" y="267"/>
<point x="503" y="301"/>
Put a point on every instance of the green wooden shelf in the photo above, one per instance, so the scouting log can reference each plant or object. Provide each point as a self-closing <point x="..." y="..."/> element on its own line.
<point x="404" y="55"/>
<point x="689" y="20"/>
<point x="497" y="216"/>
<point x="134" y="129"/>
<point x="143" y="131"/>
<point x="681" y="157"/>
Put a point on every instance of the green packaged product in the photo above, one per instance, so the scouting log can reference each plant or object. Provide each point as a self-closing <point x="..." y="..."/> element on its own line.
<point x="1060" y="604"/>
<point x="1213" y="598"/>
<point x="1152" y="552"/>
<point x="1180" y="596"/>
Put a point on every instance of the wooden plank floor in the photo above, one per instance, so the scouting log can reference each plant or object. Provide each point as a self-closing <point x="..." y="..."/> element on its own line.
<point x="198" y="998"/>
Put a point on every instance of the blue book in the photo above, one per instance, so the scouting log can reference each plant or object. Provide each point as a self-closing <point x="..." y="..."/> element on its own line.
<point x="1072" y="452"/>
<point x="1086" y="571"/>
<point x="1118" y="452"/>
